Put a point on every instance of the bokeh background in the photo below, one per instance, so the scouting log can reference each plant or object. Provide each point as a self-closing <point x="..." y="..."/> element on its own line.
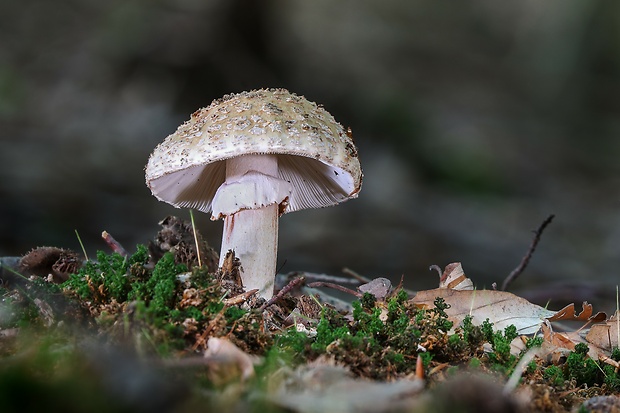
<point x="474" y="121"/>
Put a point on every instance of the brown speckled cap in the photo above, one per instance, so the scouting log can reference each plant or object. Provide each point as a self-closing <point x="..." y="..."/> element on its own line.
<point x="315" y="154"/>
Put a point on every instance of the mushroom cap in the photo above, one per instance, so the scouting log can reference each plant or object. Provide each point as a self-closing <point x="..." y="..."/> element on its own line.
<point x="315" y="154"/>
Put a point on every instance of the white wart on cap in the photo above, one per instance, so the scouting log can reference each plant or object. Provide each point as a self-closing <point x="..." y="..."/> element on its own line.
<point x="264" y="149"/>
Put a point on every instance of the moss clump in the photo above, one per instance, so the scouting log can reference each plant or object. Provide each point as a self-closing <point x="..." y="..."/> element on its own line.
<point x="110" y="277"/>
<point x="554" y="375"/>
<point x="582" y="370"/>
<point x="161" y="287"/>
<point x="382" y="340"/>
<point x="581" y="367"/>
<point x="132" y="299"/>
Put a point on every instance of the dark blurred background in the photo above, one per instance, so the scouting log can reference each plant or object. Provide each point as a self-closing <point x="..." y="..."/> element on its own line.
<point x="474" y="121"/>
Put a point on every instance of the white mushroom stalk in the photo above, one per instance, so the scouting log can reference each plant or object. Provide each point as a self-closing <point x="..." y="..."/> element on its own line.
<point x="249" y="201"/>
<point x="249" y="158"/>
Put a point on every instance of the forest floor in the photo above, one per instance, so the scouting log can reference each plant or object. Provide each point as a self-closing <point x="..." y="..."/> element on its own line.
<point x="164" y="329"/>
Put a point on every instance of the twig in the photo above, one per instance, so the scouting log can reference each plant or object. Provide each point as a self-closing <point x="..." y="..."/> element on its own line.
<point x="288" y="287"/>
<point x="335" y="287"/>
<point x="398" y="288"/>
<point x="114" y="245"/>
<point x="400" y="283"/>
<point x="240" y="298"/>
<point x="311" y="276"/>
<point x="355" y="275"/>
<point x="526" y="259"/>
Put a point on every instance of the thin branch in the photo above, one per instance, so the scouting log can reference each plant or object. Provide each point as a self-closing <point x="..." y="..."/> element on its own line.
<point x="335" y="287"/>
<point x="240" y="298"/>
<point x="526" y="259"/>
<point x="288" y="287"/>
<point x="311" y="276"/>
<point x="358" y="277"/>
<point x="114" y="245"/>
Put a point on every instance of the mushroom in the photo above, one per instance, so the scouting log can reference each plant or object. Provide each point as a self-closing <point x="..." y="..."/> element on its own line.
<point x="249" y="158"/>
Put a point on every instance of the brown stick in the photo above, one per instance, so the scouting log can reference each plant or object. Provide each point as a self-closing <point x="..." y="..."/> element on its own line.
<point x="355" y="275"/>
<point x="311" y="276"/>
<point x="526" y="259"/>
<point x="240" y="298"/>
<point x="335" y="287"/>
<point x="288" y="287"/>
<point x="114" y="245"/>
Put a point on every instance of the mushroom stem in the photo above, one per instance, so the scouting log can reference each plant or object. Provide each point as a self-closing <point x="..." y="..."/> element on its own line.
<point x="253" y="233"/>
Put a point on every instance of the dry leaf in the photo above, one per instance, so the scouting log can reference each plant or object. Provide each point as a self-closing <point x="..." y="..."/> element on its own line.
<point x="605" y="335"/>
<point x="557" y="339"/>
<point x="566" y="341"/>
<point x="454" y="277"/>
<point x="504" y="309"/>
<point x="379" y="287"/>
<point x="500" y="307"/>
<point x="568" y="314"/>
<point x="227" y="361"/>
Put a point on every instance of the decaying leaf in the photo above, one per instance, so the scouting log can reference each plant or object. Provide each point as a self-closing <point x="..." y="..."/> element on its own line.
<point x="561" y="340"/>
<point x="379" y="287"/>
<point x="227" y="362"/>
<point x="568" y="314"/>
<point x="500" y="307"/>
<point x="605" y="335"/>
<point x="454" y="277"/>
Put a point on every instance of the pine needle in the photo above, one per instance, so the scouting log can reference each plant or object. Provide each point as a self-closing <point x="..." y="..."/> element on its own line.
<point x="191" y="215"/>
<point x="81" y="245"/>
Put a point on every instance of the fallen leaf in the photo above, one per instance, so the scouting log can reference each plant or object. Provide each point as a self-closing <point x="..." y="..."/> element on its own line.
<point x="454" y="277"/>
<point x="500" y="307"/>
<point x="605" y="335"/>
<point x="227" y="361"/>
<point x="379" y="287"/>
<point x="568" y="314"/>
<point x="557" y="339"/>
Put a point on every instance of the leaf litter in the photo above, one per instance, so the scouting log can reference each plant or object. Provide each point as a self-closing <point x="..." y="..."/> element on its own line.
<point x="305" y="350"/>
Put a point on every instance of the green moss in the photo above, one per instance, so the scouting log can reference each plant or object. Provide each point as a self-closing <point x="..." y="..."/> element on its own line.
<point x="532" y="342"/>
<point x="473" y="335"/>
<point x="474" y="363"/>
<point x="292" y="342"/>
<point x="152" y="305"/>
<point x="368" y="301"/>
<point x="554" y="375"/>
<point x="163" y="283"/>
<point x="109" y="277"/>
<point x="367" y="321"/>
<point x="126" y="279"/>
<point x="581" y="367"/>
<point x="426" y="358"/>
<point x="442" y="317"/>
<point x="395" y="358"/>
<point x="612" y="379"/>
<point x="331" y="327"/>
<point x="234" y="313"/>
<point x="378" y="341"/>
